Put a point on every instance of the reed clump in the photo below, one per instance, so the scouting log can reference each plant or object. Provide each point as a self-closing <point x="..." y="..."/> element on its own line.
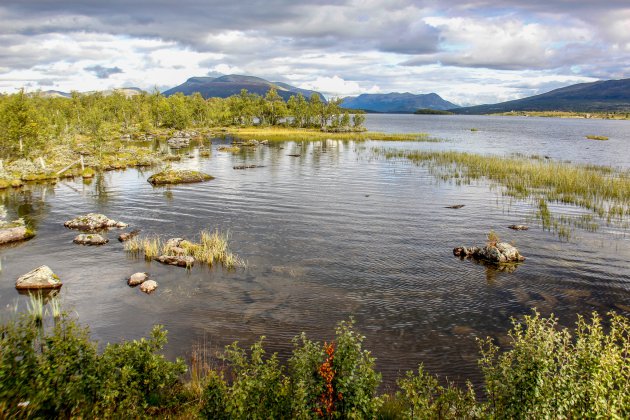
<point x="602" y="190"/>
<point x="213" y="248"/>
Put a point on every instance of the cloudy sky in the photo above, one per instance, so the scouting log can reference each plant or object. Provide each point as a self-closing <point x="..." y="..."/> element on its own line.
<point x="468" y="51"/>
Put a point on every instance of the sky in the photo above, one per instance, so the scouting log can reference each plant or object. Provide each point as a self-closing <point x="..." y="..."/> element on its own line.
<point x="467" y="51"/>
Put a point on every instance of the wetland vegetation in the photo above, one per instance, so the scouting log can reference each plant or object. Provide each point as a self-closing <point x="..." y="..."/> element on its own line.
<point x="602" y="190"/>
<point x="50" y="368"/>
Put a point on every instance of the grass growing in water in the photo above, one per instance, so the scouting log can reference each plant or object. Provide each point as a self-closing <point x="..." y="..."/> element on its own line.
<point x="602" y="190"/>
<point x="303" y="134"/>
<point x="212" y="248"/>
<point x="590" y="137"/>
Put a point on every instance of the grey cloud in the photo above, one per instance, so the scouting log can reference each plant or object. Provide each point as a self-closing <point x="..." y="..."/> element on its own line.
<point x="103" y="72"/>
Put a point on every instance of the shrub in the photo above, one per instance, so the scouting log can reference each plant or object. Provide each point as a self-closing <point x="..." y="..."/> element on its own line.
<point x="550" y="373"/>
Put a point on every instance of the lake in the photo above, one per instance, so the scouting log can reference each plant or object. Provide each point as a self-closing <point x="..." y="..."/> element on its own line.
<point x="338" y="232"/>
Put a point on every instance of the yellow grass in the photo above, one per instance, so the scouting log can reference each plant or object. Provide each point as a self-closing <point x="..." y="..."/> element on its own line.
<point x="304" y="134"/>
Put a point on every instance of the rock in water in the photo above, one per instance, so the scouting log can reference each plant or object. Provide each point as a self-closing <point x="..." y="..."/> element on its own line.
<point x="137" y="278"/>
<point x="172" y="176"/>
<point x="14" y="231"/>
<point x="148" y="286"/>
<point x="518" y="227"/>
<point x="128" y="235"/>
<point x="456" y="206"/>
<point x="40" y="278"/>
<point x="90" y="239"/>
<point x="178" y="260"/>
<point x="93" y="221"/>
<point x="500" y="253"/>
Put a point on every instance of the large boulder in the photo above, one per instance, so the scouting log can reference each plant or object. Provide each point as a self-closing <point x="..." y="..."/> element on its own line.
<point x="173" y="176"/>
<point x="93" y="221"/>
<point x="499" y="253"/>
<point x="39" y="278"/>
<point x="90" y="239"/>
<point x="14" y="231"/>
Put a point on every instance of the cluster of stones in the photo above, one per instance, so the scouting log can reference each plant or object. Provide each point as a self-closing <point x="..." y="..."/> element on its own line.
<point x="499" y="253"/>
<point x="181" y="139"/>
<point x="251" y="143"/>
<point x="176" y="254"/>
<point x="140" y="137"/>
<point x="92" y="222"/>
<point x="142" y="279"/>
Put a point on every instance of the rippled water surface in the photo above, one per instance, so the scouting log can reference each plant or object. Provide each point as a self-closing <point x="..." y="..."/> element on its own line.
<point x="334" y="233"/>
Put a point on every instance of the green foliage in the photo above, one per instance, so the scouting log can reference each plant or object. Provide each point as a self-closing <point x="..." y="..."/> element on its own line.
<point x="421" y="396"/>
<point x="550" y="372"/>
<point x="56" y="372"/>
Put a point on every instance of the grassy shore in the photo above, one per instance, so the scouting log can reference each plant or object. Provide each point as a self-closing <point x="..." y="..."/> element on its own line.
<point x="565" y="114"/>
<point x="279" y="134"/>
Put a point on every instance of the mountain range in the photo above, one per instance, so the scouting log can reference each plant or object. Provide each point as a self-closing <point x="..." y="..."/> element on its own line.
<point x="396" y="102"/>
<point x="603" y="96"/>
<point x="224" y="86"/>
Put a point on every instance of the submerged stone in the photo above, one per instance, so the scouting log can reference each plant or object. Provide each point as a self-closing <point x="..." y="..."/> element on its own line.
<point x="40" y="278"/>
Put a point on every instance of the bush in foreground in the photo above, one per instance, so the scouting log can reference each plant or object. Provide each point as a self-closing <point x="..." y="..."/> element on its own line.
<point x="547" y="372"/>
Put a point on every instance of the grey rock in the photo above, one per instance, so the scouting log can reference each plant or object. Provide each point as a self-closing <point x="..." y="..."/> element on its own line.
<point x="40" y="278"/>
<point x="178" y="260"/>
<point x="137" y="278"/>
<point x="90" y="239"/>
<point x="148" y="286"/>
<point x="500" y="253"/>
<point x="93" y="221"/>
<point x="14" y="231"/>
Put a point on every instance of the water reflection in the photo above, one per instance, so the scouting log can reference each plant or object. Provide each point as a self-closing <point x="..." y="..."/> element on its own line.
<point x="327" y="235"/>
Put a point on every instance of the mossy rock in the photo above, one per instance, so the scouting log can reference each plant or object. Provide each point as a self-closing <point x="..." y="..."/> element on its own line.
<point x="172" y="176"/>
<point x="4" y="184"/>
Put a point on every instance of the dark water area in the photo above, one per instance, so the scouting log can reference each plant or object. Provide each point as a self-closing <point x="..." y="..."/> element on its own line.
<point x="334" y="233"/>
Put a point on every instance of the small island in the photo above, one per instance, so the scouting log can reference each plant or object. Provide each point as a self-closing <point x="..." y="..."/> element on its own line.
<point x="175" y="176"/>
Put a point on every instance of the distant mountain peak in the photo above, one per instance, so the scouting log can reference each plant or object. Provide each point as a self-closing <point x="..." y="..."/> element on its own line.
<point x="232" y="84"/>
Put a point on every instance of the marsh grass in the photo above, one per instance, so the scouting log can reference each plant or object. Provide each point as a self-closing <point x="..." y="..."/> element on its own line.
<point x="604" y="191"/>
<point x="591" y="137"/>
<point x="35" y="307"/>
<point x="303" y="134"/>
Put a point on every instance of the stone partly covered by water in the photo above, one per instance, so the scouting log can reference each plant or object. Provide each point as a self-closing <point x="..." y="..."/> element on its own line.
<point x="178" y="142"/>
<point x="93" y="221"/>
<point x="90" y="239"/>
<point x="178" y="260"/>
<point x="174" y="176"/>
<point x="500" y="253"/>
<point x="137" y="278"/>
<point x="39" y="278"/>
<point x="148" y="286"/>
<point x="14" y="231"/>
<point x="128" y="235"/>
<point x="518" y="227"/>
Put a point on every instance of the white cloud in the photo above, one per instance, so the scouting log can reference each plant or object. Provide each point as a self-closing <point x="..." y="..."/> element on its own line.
<point x="336" y="86"/>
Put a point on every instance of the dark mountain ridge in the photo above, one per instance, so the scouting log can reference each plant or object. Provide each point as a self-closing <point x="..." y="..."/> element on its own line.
<point x="396" y="102"/>
<point x="600" y="96"/>
<point x="225" y="86"/>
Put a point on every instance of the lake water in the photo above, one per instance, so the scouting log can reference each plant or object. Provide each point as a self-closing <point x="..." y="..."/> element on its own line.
<point x="334" y="233"/>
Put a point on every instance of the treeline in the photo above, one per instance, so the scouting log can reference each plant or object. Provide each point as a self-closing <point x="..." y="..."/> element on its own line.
<point x="29" y="122"/>
<point x="51" y="369"/>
